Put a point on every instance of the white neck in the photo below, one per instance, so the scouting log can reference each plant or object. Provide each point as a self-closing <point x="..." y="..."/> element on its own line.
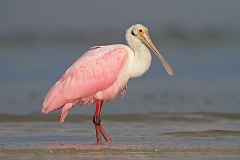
<point x="142" y="56"/>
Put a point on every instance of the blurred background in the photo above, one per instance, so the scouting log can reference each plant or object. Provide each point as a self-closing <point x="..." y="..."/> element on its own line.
<point x="200" y="104"/>
<point x="39" y="40"/>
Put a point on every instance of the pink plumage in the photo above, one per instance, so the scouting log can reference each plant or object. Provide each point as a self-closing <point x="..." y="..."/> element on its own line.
<point x="93" y="76"/>
<point x="101" y="73"/>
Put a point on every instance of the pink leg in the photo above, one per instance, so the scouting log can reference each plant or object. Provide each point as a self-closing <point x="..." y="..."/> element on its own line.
<point x="65" y="110"/>
<point x="97" y="123"/>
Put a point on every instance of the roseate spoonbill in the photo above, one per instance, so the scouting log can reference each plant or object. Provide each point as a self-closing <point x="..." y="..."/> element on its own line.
<point x="101" y="73"/>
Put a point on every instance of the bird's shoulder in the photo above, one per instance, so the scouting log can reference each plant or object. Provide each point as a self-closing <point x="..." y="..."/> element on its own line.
<point x="109" y="53"/>
<point x="101" y="50"/>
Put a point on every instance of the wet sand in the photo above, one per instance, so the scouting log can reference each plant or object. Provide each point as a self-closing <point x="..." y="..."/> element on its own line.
<point x="136" y="136"/>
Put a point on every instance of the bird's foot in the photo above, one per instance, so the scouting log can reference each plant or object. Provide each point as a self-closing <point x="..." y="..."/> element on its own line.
<point x="123" y="91"/>
<point x="100" y="131"/>
<point x="65" y="110"/>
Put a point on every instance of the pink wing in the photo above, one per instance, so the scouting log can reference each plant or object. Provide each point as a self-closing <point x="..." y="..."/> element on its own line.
<point x="94" y="71"/>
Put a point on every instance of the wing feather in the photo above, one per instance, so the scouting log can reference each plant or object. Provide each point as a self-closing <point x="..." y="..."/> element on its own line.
<point x="94" y="71"/>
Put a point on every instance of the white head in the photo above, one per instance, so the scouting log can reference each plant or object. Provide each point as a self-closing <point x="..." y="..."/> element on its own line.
<point x="141" y="32"/>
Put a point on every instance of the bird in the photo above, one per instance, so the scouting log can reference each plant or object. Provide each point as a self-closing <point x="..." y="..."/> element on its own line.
<point x="101" y="73"/>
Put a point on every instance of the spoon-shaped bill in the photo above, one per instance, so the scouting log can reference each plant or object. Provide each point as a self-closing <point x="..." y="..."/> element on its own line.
<point x="147" y="40"/>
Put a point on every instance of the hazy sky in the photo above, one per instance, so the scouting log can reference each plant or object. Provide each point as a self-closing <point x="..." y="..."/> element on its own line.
<point x="58" y="15"/>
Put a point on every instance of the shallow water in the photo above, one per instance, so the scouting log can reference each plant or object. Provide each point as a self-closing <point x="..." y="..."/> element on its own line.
<point x="135" y="136"/>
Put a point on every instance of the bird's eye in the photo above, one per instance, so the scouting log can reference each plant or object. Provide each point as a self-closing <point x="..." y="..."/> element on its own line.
<point x="140" y="30"/>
